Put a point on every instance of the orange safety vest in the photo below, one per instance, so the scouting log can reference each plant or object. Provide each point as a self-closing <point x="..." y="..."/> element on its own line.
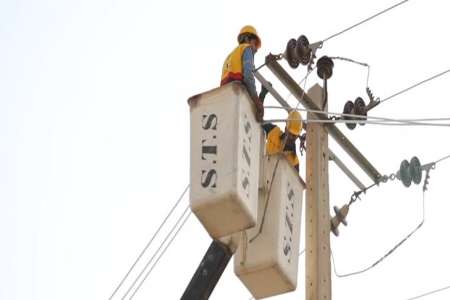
<point x="232" y="67"/>
<point x="274" y="143"/>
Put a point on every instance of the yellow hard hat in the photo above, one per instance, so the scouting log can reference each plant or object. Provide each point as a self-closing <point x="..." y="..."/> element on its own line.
<point x="294" y="124"/>
<point x="252" y="30"/>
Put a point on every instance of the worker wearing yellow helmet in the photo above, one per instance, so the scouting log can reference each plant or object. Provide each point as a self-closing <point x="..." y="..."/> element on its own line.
<point x="239" y="66"/>
<point x="276" y="138"/>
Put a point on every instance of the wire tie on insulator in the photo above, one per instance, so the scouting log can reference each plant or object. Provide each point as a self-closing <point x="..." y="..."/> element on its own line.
<point x="335" y="118"/>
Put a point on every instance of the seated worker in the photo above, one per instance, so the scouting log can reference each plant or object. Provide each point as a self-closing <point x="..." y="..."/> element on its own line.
<point x="275" y="138"/>
<point x="239" y="66"/>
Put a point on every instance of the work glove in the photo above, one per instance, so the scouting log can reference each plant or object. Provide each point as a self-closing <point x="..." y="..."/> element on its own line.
<point x="263" y="93"/>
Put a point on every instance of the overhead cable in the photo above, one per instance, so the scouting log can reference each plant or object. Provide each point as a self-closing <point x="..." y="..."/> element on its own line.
<point x="349" y="28"/>
<point x="385" y="123"/>
<point x="321" y="112"/>
<point x="404" y="239"/>
<point x="415" y="85"/>
<point x="365" y="20"/>
<point x="349" y="60"/>
<point x="387" y="253"/>
<point x="400" y="122"/>
<point x="354" y="62"/>
<point x="304" y="80"/>
<point x="161" y="255"/>
<point x="149" y="242"/>
<point x="273" y="176"/>
<point x="154" y="255"/>
<point x="430" y="293"/>
<point x="442" y="159"/>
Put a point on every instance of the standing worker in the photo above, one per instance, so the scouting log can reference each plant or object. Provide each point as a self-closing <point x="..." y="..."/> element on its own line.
<point x="239" y="66"/>
<point x="276" y="138"/>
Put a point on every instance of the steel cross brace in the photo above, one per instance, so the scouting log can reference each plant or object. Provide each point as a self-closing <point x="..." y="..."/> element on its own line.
<point x="331" y="154"/>
<point x="306" y="101"/>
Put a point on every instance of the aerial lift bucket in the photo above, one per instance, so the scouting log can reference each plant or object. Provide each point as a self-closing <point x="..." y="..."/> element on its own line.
<point x="225" y="160"/>
<point x="267" y="263"/>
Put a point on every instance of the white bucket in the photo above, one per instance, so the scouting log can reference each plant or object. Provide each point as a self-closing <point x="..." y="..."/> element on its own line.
<point x="225" y="158"/>
<point x="268" y="265"/>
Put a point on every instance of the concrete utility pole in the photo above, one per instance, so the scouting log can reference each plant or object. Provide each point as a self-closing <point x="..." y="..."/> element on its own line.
<point x="317" y="224"/>
<point x="318" y="268"/>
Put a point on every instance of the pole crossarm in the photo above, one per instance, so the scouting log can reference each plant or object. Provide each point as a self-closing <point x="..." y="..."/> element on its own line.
<point x="287" y="107"/>
<point x="346" y="170"/>
<point x="307" y="102"/>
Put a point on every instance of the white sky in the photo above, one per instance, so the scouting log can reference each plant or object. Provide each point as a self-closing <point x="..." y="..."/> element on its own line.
<point x="94" y="139"/>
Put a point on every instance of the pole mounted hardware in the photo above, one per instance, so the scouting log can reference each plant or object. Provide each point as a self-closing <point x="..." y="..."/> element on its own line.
<point x="411" y="171"/>
<point x="306" y="101"/>
<point x="359" y="108"/>
<point x="325" y="67"/>
<point x="325" y="71"/>
<point x="300" y="51"/>
<point x="340" y="217"/>
<point x="287" y="107"/>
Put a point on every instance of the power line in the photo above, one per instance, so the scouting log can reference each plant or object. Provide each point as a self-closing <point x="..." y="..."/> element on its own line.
<point x="349" y="28"/>
<point x="162" y="253"/>
<point x="365" y="20"/>
<point x="149" y="243"/>
<point x="266" y="205"/>
<point x="442" y="159"/>
<point x="386" y="123"/>
<point x="273" y="176"/>
<point x="415" y="85"/>
<point x="349" y="60"/>
<point x="154" y="255"/>
<point x="370" y="120"/>
<point x="305" y="79"/>
<point x="387" y="253"/>
<point x="361" y="118"/>
<point x="398" y="244"/>
<point x="355" y="62"/>
<point x="430" y="293"/>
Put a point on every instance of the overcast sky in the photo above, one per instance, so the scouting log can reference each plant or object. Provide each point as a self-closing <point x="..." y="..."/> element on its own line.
<point x="94" y="139"/>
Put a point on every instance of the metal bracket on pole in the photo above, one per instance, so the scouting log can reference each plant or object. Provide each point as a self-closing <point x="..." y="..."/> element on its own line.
<point x="346" y="170"/>
<point x="307" y="102"/>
